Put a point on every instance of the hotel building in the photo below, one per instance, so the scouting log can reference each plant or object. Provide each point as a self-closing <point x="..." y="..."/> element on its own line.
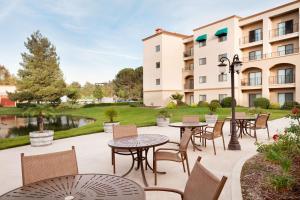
<point x="266" y="42"/>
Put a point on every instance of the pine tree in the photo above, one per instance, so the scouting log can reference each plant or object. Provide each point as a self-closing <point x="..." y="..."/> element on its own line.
<point x="40" y="79"/>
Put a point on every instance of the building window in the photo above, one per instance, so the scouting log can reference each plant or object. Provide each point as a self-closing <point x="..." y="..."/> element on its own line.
<point x="221" y="56"/>
<point x="157" y="48"/>
<point x="202" y="79"/>
<point x="285" y="97"/>
<point x="252" y="98"/>
<point x="255" y="55"/>
<point x="222" y="38"/>
<point x="202" y="97"/>
<point x="222" y="77"/>
<point x="254" y="78"/>
<point x="157" y="65"/>
<point x="202" y="43"/>
<point x="285" y="49"/>
<point x="255" y="35"/>
<point x="285" y="76"/>
<point x="222" y="96"/>
<point x="158" y="81"/>
<point x="284" y="28"/>
<point x="202" y="61"/>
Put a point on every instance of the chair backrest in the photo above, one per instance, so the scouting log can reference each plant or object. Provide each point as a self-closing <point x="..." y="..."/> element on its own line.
<point x="202" y="184"/>
<point x="185" y="139"/>
<point x="190" y="119"/>
<point x="262" y="120"/>
<point x="240" y="114"/>
<point x="218" y="128"/>
<point x="40" y="167"/>
<point x="120" y="131"/>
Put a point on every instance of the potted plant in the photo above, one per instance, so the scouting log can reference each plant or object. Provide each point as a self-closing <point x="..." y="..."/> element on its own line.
<point x="211" y="117"/>
<point x="110" y="114"/>
<point x="163" y="118"/>
<point x="40" y="137"/>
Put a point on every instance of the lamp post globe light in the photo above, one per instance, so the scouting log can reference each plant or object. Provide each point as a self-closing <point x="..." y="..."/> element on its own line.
<point x="234" y="67"/>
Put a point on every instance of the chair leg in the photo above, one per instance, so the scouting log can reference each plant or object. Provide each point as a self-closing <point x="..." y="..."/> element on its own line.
<point x="155" y="171"/>
<point x="187" y="164"/>
<point x="214" y="146"/>
<point x="255" y="135"/>
<point x="268" y="132"/>
<point x="113" y="156"/>
<point x="223" y="142"/>
<point x="182" y="159"/>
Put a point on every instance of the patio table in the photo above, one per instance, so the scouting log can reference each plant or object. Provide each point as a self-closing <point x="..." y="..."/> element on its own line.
<point x="191" y="126"/>
<point x="139" y="143"/>
<point x="242" y="122"/>
<point x="81" y="186"/>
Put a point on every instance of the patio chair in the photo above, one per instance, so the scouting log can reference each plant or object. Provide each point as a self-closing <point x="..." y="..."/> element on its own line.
<point x="120" y="131"/>
<point x="261" y="122"/>
<point x="191" y="119"/>
<point x="217" y="131"/>
<point x="174" y="154"/>
<point x="40" y="167"/>
<point x="201" y="185"/>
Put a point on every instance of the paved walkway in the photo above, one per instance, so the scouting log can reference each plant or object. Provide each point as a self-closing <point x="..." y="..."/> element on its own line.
<point x="93" y="156"/>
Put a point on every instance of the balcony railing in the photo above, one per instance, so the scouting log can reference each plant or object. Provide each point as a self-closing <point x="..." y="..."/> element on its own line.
<point x="282" y="79"/>
<point x="251" y="81"/>
<point x="284" y="30"/>
<point x="188" y="53"/>
<point x="189" y="86"/>
<point x="188" y="68"/>
<point x="271" y="55"/>
<point x="247" y="39"/>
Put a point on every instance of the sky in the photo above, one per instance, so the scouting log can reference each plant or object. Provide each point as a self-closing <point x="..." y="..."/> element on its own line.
<point x="96" y="38"/>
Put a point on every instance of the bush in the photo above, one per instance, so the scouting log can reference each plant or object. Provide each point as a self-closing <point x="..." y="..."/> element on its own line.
<point x="262" y="103"/>
<point x="193" y="105"/>
<point x="203" y="104"/>
<point x="171" y="105"/>
<point x="25" y="105"/>
<point x="215" y="101"/>
<point x="274" y="106"/>
<point x="213" y="106"/>
<point x="164" y="113"/>
<point x="290" y="104"/>
<point x="226" y="102"/>
<point x="254" y="111"/>
<point x="106" y="104"/>
<point x="111" y="114"/>
<point x="136" y="104"/>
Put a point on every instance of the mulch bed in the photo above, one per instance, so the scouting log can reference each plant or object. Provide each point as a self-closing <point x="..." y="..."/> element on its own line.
<point x="254" y="180"/>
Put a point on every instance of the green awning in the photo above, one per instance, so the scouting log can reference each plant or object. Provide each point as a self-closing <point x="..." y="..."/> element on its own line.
<point x="201" y="38"/>
<point x="221" y="32"/>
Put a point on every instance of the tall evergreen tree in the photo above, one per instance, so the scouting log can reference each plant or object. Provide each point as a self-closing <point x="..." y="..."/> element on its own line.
<point x="40" y="79"/>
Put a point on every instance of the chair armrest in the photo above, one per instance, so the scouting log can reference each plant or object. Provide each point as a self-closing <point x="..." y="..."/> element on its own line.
<point x="207" y="128"/>
<point x="161" y="189"/>
<point x="173" y="142"/>
<point x="166" y="149"/>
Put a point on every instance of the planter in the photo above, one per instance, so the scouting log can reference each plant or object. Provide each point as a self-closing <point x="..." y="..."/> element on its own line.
<point x="108" y="126"/>
<point x="211" y="119"/>
<point x="162" y="122"/>
<point x="38" y="138"/>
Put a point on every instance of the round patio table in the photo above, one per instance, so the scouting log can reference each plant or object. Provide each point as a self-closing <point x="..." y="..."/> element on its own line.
<point x="242" y="122"/>
<point x="139" y="143"/>
<point x="79" y="187"/>
<point x="191" y="126"/>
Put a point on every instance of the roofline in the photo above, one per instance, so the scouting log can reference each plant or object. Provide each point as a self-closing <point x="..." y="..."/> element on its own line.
<point x="215" y="22"/>
<point x="189" y="36"/>
<point x="167" y="33"/>
<point x="271" y="9"/>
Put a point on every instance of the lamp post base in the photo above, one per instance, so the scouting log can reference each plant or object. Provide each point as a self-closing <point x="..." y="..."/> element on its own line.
<point x="234" y="146"/>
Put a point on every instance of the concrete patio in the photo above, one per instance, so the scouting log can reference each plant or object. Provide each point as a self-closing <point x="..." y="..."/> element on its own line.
<point x="94" y="156"/>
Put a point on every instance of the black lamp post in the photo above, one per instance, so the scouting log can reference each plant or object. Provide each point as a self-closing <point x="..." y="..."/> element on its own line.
<point x="234" y="67"/>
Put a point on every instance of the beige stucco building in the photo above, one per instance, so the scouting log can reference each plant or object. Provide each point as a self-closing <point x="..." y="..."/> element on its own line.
<point x="266" y="42"/>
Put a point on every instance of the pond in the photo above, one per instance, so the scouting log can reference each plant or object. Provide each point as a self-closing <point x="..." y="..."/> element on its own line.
<point x="13" y="126"/>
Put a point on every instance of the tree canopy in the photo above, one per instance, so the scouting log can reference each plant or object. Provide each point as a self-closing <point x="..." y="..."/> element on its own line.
<point x="5" y="77"/>
<point x="40" y="78"/>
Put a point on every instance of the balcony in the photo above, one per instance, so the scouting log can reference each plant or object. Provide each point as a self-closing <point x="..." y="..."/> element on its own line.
<point x="188" y="54"/>
<point x="188" y="71"/>
<point x="274" y="54"/>
<point x="251" y="83"/>
<point x="249" y="41"/>
<point x="189" y="86"/>
<point x="282" y="81"/>
<point x="283" y="33"/>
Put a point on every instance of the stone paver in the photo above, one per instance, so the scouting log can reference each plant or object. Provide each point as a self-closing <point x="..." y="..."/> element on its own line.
<point x="94" y="156"/>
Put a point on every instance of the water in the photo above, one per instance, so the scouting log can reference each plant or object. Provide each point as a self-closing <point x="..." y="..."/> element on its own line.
<point x="13" y="126"/>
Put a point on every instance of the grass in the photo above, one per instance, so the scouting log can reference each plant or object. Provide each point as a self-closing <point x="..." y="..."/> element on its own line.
<point x="141" y="116"/>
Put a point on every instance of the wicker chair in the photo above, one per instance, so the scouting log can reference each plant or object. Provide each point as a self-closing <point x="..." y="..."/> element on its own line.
<point x="174" y="154"/>
<point x="191" y="119"/>
<point x="120" y="131"/>
<point x="40" y="167"/>
<point x="201" y="185"/>
<point x="217" y="131"/>
<point x="261" y="122"/>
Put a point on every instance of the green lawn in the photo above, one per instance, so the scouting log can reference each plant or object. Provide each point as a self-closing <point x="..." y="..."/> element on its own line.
<point x="141" y="116"/>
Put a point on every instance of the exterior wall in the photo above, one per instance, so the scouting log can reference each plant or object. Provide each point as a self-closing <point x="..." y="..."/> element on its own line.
<point x="4" y="100"/>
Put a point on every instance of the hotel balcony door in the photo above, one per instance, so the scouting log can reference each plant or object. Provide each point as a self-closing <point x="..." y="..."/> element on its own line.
<point x="191" y="99"/>
<point x="252" y="97"/>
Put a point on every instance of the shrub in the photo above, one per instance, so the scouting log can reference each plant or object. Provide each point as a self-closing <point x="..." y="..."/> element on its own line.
<point x="25" y="105"/>
<point x="111" y="114"/>
<point x="193" y="105"/>
<point x="213" y="106"/>
<point x="105" y="104"/>
<point x="254" y="111"/>
<point x="290" y="104"/>
<point x="226" y="102"/>
<point x="215" y="101"/>
<point x="164" y="113"/>
<point x="136" y="104"/>
<point x="171" y="105"/>
<point x="262" y="103"/>
<point x="274" y="106"/>
<point x="177" y="97"/>
<point x="203" y="104"/>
